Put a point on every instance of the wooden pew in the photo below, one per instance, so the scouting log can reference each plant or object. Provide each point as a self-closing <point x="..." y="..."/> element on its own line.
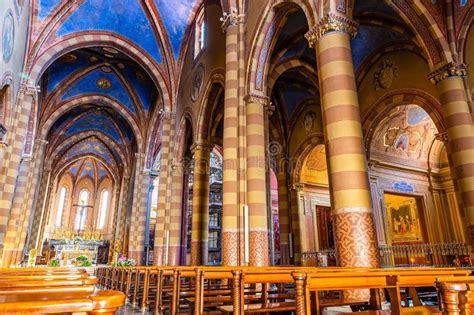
<point x="51" y="290"/>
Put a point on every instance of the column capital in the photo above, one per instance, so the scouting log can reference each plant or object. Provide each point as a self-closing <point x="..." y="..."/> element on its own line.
<point x="28" y="88"/>
<point x="231" y="19"/>
<point x="442" y="136"/>
<point x="261" y="99"/>
<point x="200" y="145"/>
<point x="166" y="114"/>
<point x="449" y="70"/>
<point x="3" y="131"/>
<point x="41" y="141"/>
<point x="329" y="23"/>
<point x="298" y="187"/>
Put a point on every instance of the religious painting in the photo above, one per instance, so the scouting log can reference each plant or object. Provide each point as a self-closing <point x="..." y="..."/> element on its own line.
<point x="403" y="218"/>
<point x="8" y="36"/>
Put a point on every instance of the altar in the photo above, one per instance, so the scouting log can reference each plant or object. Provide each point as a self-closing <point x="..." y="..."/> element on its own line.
<point x="69" y="245"/>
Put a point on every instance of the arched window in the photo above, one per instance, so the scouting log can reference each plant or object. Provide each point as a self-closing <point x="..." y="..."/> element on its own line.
<point x="104" y="204"/>
<point x="62" y="201"/>
<point x="200" y="32"/>
<point x="81" y="210"/>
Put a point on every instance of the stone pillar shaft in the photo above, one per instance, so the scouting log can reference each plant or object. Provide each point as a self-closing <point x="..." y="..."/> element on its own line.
<point x="163" y="221"/>
<point x="175" y="217"/>
<point x="356" y="244"/>
<point x="200" y="216"/>
<point x="138" y="218"/>
<point x="460" y="130"/>
<point x="283" y="212"/>
<point x="231" y="209"/>
<point x="10" y="163"/>
<point x="256" y="181"/>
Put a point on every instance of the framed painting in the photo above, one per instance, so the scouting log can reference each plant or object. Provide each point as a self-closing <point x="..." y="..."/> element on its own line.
<point x="403" y="218"/>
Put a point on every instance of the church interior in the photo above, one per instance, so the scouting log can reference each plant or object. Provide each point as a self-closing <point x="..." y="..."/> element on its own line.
<point x="236" y="156"/>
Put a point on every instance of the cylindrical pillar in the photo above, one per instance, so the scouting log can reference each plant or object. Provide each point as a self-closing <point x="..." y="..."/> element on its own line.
<point x="355" y="236"/>
<point x="231" y="208"/>
<point x="10" y="163"/>
<point x="460" y="129"/>
<point x="175" y="218"/>
<point x="200" y="217"/>
<point x="256" y="181"/>
<point x="283" y="211"/>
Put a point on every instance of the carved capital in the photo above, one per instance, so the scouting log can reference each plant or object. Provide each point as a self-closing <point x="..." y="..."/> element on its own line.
<point x="447" y="71"/>
<point x="232" y="18"/>
<point x="331" y="23"/>
<point x="263" y="100"/>
<point x="200" y="145"/>
<point x="442" y="136"/>
<point x="298" y="187"/>
<point x="3" y="132"/>
<point x="166" y="114"/>
<point x="28" y="88"/>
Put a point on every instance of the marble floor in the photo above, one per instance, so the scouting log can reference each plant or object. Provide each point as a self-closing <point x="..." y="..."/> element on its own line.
<point x="130" y="310"/>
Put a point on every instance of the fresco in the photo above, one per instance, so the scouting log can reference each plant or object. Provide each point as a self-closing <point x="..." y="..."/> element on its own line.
<point x="175" y="16"/>
<point x="403" y="218"/>
<point x="124" y="17"/>
<point x="314" y="170"/>
<point x="8" y="36"/>
<point x="88" y="84"/>
<point x="95" y="121"/>
<point x="406" y="131"/>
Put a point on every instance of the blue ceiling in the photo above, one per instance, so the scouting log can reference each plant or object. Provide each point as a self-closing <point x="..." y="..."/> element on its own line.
<point x="129" y="18"/>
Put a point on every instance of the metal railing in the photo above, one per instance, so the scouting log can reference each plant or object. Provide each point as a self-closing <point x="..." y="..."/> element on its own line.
<point x="436" y="255"/>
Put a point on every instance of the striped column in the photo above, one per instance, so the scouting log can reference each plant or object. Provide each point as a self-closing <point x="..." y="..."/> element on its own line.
<point x="297" y="223"/>
<point x="10" y="164"/>
<point x="356" y="244"/>
<point x="122" y="212"/>
<point x="256" y="180"/>
<point x="283" y="211"/>
<point x="138" y="218"/>
<point x="200" y="217"/>
<point x="460" y="129"/>
<point x="14" y="221"/>
<point x="231" y="210"/>
<point x="23" y="203"/>
<point x="174" y="246"/>
<point x="40" y="209"/>
<point x="167" y="120"/>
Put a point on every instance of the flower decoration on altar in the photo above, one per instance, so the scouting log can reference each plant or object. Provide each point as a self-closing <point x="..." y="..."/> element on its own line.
<point x="123" y="261"/>
<point x="82" y="261"/>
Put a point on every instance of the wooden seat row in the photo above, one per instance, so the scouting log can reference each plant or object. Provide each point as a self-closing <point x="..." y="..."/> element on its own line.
<point x="240" y="290"/>
<point x="54" y="290"/>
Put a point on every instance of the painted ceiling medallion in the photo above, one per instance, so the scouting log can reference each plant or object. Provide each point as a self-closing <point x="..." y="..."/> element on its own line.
<point x="109" y="56"/>
<point x="106" y="69"/>
<point x="308" y="121"/>
<point x="8" y="36"/>
<point x="93" y="59"/>
<point x="110" y="50"/>
<point x="121" y="66"/>
<point x="140" y="76"/>
<point x="197" y="82"/>
<point x="104" y="83"/>
<point x="385" y="74"/>
<point x="70" y="58"/>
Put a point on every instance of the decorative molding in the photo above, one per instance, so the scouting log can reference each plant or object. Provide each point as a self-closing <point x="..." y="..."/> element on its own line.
<point x="331" y="23"/>
<point x="232" y="18"/>
<point x="28" y="88"/>
<point x="298" y="187"/>
<point x="447" y="71"/>
<point x="263" y="100"/>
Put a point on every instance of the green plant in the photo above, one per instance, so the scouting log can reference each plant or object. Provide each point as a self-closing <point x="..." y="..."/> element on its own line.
<point x="54" y="263"/>
<point x="123" y="261"/>
<point x="82" y="261"/>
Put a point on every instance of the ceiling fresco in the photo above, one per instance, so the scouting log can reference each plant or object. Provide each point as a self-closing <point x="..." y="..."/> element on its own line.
<point x="132" y="19"/>
<point x="406" y="132"/>
<point x="87" y="167"/>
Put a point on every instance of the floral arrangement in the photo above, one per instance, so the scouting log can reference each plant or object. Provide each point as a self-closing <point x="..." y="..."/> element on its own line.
<point x="123" y="261"/>
<point x="54" y="263"/>
<point x="82" y="261"/>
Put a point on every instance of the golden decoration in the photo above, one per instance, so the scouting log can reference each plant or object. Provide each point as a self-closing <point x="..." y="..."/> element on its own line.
<point x="331" y="22"/>
<point x="32" y="257"/>
<point x="449" y="70"/>
<point x="104" y="83"/>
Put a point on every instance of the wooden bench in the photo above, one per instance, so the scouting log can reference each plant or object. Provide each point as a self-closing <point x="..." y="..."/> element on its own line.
<point x="50" y="290"/>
